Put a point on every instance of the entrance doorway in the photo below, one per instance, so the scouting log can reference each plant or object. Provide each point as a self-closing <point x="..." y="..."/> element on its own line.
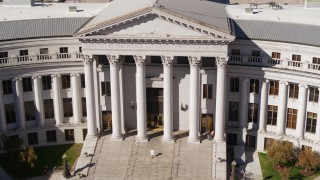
<point x="154" y="108"/>
<point x="106" y="120"/>
<point x="206" y="123"/>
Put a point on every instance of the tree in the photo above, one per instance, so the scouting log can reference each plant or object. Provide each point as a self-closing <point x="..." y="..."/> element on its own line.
<point x="11" y="143"/>
<point x="281" y="153"/>
<point x="309" y="160"/>
<point x="28" y="157"/>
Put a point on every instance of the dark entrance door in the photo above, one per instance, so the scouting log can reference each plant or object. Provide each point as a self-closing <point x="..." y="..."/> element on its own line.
<point x="106" y="120"/>
<point x="206" y="123"/>
<point x="154" y="108"/>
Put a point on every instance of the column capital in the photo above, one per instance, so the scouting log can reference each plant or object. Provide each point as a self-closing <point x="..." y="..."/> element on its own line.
<point x="36" y="77"/>
<point x="167" y="61"/>
<point x="283" y="82"/>
<point x="194" y="61"/>
<point x="244" y="78"/>
<point x="139" y="60"/>
<point x="55" y="75"/>
<point x="87" y="59"/>
<point x="113" y="59"/>
<point x="303" y="85"/>
<point x="16" y="78"/>
<point x="74" y="74"/>
<point x="221" y="62"/>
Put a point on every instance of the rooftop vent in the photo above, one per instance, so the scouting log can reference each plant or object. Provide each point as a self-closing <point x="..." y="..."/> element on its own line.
<point x="73" y="9"/>
<point x="248" y="10"/>
<point x="18" y="2"/>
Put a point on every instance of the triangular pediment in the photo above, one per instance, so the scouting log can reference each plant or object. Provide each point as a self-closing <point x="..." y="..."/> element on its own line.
<point x="152" y="23"/>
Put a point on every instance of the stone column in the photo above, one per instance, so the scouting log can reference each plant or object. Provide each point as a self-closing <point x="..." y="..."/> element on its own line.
<point x="141" y="98"/>
<point x="194" y="99"/>
<point x="115" y="96"/>
<point x="21" y="118"/>
<point x="3" y="123"/>
<point x="318" y="120"/>
<point x="89" y="91"/>
<point x="301" y="116"/>
<point x="168" y="98"/>
<point x="38" y="101"/>
<point x="263" y="105"/>
<point x="123" y="127"/>
<point x="76" y="102"/>
<point x="244" y="101"/>
<point x="282" y="108"/>
<point x="58" y="110"/>
<point x="220" y="99"/>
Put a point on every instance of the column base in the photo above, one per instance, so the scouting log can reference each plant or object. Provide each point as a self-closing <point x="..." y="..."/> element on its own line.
<point x="117" y="137"/>
<point x="193" y="140"/>
<point x="262" y="131"/>
<point x="220" y="140"/>
<point x="170" y="139"/>
<point x="142" y="139"/>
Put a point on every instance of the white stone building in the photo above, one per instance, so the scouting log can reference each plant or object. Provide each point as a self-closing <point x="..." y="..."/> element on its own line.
<point x="251" y="75"/>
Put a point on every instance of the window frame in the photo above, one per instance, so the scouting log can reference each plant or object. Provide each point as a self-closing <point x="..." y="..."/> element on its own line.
<point x="311" y="123"/>
<point x="84" y="106"/>
<point x="27" y="84"/>
<point x="207" y="91"/>
<point x="82" y="81"/>
<point x="29" y="110"/>
<point x="65" y="81"/>
<point x="51" y="136"/>
<point x="272" y="115"/>
<point x="105" y="88"/>
<point x="234" y="84"/>
<point x="69" y="134"/>
<point x="254" y="86"/>
<point x="276" y="55"/>
<point x="233" y="113"/>
<point x="67" y="107"/>
<point x="292" y="118"/>
<point x="33" y="138"/>
<point x="7" y="87"/>
<point x="313" y="94"/>
<point x="293" y="91"/>
<point x="274" y="88"/>
<point x="48" y="108"/>
<point x="46" y="83"/>
<point x="296" y="57"/>
<point x="253" y="112"/>
<point x="10" y="115"/>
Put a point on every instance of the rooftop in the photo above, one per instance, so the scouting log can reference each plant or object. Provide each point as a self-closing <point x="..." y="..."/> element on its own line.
<point x="286" y="13"/>
<point x="49" y="10"/>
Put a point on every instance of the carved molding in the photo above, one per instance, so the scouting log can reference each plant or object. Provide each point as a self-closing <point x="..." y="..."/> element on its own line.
<point x="113" y="60"/>
<point x="55" y="75"/>
<point x="303" y="85"/>
<point x="282" y="82"/>
<point x="17" y="79"/>
<point x="87" y="59"/>
<point x="167" y="61"/>
<point x="194" y="61"/>
<point x="74" y="74"/>
<point x="140" y="60"/>
<point x="36" y="77"/>
<point x="221" y="62"/>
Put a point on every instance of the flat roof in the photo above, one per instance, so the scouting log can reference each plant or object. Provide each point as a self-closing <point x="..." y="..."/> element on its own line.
<point x="287" y="13"/>
<point x="49" y="10"/>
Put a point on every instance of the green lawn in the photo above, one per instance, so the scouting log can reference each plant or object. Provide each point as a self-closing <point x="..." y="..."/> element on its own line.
<point x="48" y="155"/>
<point x="269" y="172"/>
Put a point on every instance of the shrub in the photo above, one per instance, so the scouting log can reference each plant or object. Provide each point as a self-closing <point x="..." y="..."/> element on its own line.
<point x="281" y="153"/>
<point x="309" y="160"/>
<point x="28" y="157"/>
<point x="284" y="172"/>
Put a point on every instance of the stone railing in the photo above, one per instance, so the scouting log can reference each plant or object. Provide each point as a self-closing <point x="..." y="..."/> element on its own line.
<point x="272" y="62"/>
<point x="40" y="58"/>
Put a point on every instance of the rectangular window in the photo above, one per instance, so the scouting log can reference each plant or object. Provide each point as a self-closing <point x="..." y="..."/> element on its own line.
<point x="292" y="118"/>
<point x="182" y="60"/>
<point x="231" y="139"/>
<point x="4" y="54"/>
<point x="233" y="111"/>
<point x="296" y="57"/>
<point x="63" y="50"/>
<point x="44" y="51"/>
<point x="46" y="82"/>
<point x="65" y="80"/>
<point x="48" y="108"/>
<point x="313" y="94"/>
<point x="84" y="107"/>
<point x="23" y="52"/>
<point x="254" y="86"/>
<point x="316" y="60"/>
<point x="69" y="134"/>
<point x="251" y="141"/>
<point x="129" y="60"/>
<point x="83" y="81"/>
<point x="10" y="113"/>
<point x="311" y="122"/>
<point x="67" y="107"/>
<point x="272" y="115"/>
<point x="7" y="87"/>
<point x="27" y="84"/>
<point x="51" y="136"/>
<point x="105" y="89"/>
<point x="235" y="52"/>
<point x="255" y="53"/>
<point x="276" y="55"/>
<point x="29" y="110"/>
<point x="32" y="138"/>
<point x="80" y="49"/>
<point x="156" y="60"/>
<point x="208" y="61"/>
<point x="268" y="142"/>
<point x="63" y="53"/>
<point x="274" y="88"/>
<point x="294" y="91"/>
<point x="234" y="84"/>
<point x="253" y="112"/>
<point x="207" y="91"/>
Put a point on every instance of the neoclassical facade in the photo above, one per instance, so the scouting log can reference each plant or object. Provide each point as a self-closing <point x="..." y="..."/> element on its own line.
<point x="156" y="65"/>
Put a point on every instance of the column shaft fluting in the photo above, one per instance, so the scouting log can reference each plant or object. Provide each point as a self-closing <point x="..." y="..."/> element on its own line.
<point x="244" y="101"/>
<point x="57" y="100"/>
<point x="19" y="104"/>
<point x="168" y="98"/>
<point x="123" y="127"/>
<point x="194" y="98"/>
<point x="89" y="91"/>
<point x="76" y="102"/>
<point x="141" y="98"/>
<point x="263" y="106"/>
<point x="282" y="109"/>
<point x="220" y="100"/>
<point x="301" y="116"/>
<point x="115" y="97"/>
<point x="38" y="101"/>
